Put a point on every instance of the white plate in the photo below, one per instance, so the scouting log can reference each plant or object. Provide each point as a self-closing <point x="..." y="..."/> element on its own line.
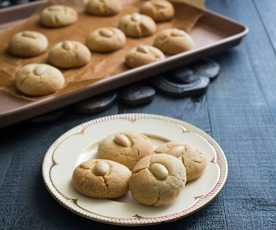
<point x="80" y="144"/>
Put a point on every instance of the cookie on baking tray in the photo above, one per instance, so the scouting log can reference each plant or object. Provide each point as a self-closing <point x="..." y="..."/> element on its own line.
<point x="137" y="25"/>
<point x="69" y="54"/>
<point x="39" y="80"/>
<point x="28" y="44"/>
<point x="103" y="7"/>
<point x="58" y="16"/>
<point x="193" y="160"/>
<point x="98" y="178"/>
<point x="126" y="148"/>
<point x="157" y="180"/>
<point x="173" y="41"/>
<point x="142" y="55"/>
<point x="159" y="10"/>
<point x="106" y="39"/>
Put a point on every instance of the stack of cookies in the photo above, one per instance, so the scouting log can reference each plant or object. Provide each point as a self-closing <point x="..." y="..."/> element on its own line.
<point x="44" y="79"/>
<point x="129" y="161"/>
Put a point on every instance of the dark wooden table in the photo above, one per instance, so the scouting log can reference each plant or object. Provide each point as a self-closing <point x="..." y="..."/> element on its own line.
<point x="238" y="110"/>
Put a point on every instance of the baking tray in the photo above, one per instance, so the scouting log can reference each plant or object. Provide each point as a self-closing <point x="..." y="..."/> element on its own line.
<point x="213" y="33"/>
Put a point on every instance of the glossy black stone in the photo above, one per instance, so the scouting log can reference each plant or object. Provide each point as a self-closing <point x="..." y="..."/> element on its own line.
<point x="207" y="67"/>
<point x="183" y="76"/>
<point x="96" y="104"/>
<point x="49" y="117"/>
<point x="137" y="95"/>
<point x="195" y="88"/>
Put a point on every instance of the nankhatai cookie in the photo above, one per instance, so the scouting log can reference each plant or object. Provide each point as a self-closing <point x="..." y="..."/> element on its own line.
<point x="173" y="41"/>
<point x="69" y="54"/>
<point x="159" y="10"/>
<point x="58" y="16"/>
<point x="39" y="79"/>
<point x="107" y="39"/>
<point x="103" y="7"/>
<point x="137" y="25"/>
<point x="101" y="179"/>
<point x="28" y="44"/>
<point x="126" y="148"/>
<point x="193" y="160"/>
<point x="142" y="55"/>
<point x="157" y="180"/>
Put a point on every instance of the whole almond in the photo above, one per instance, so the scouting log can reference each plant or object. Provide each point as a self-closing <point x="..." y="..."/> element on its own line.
<point x="159" y="171"/>
<point x="122" y="140"/>
<point x="101" y="168"/>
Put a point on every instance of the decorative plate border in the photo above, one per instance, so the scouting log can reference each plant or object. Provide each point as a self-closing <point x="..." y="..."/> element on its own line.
<point x="136" y="220"/>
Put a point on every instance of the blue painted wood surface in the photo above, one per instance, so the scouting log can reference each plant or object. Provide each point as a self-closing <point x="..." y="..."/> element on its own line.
<point x="239" y="111"/>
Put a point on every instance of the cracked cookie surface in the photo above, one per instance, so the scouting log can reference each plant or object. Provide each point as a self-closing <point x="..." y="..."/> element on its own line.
<point x="137" y="25"/>
<point x="39" y="80"/>
<point x="58" y="16"/>
<point x="69" y="54"/>
<point x="193" y="160"/>
<point x="157" y="180"/>
<point x="103" y="7"/>
<point x="142" y="55"/>
<point x="125" y="148"/>
<point x="28" y="44"/>
<point x="102" y="179"/>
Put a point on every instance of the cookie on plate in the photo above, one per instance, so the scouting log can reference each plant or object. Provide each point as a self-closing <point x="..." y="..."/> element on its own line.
<point x="103" y="7"/>
<point x="157" y="180"/>
<point x="173" y="41"/>
<point x="107" y="39"/>
<point x="159" y="10"/>
<point x="39" y="80"/>
<point x="142" y="55"/>
<point x="101" y="179"/>
<point x="58" y="16"/>
<point x="69" y="54"/>
<point x="126" y="148"/>
<point x="28" y="44"/>
<point x="192" y="159"/>
<point x="137" y="25"/>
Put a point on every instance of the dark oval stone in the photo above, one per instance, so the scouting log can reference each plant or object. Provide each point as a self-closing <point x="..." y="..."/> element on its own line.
<point x="197" y="87"/>
<point x="5" y="3"/>
<point x="96" y="104"/>
<point x="207" y="67"/>
<point x="49" y="117"/>
<point x="182" y="76"/>
<point x="137" y="95"/>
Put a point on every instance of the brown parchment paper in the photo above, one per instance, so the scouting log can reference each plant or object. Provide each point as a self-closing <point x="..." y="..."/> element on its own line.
<point x="101" y="65"/>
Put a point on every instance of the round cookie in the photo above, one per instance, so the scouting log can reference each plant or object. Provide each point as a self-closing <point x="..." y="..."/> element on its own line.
<point x="157" y="180"/>
<point x="137" y="25"/>
<point x="142" y="55"/>
<point x="28" y="44"/>
<point x="193" y="160"/>
<point x="159" y="10"/>
<point x="39" y="80"/>
<point x="69" y="54"/>
<point x="125" y="148"/>
<point x="58" y="16"/>
<point x="103" y="7"/>
<point x="107" y="39"/>
<point x="173" y="41"/>
<point x="101" y="179"/>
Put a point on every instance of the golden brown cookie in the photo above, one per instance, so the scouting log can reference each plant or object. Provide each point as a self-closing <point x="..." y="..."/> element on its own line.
<point x="39" y="80"/>
<point x="103" y="7"/>
<point x="69" y="54"/>
<point x="126" y="148"/>
<point x="28" y="44"/>
<point x="102" y="179"/>
<point x="159" y="10"/>
<point x="137" y="25"/>
<point x="173" y="41"/>
<point x="107" y="39"/>
<point x="142" y="55"/>
<point x="58" y="16"/>
<point x="192" y="159"/>
<point x="157" y="180"/>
